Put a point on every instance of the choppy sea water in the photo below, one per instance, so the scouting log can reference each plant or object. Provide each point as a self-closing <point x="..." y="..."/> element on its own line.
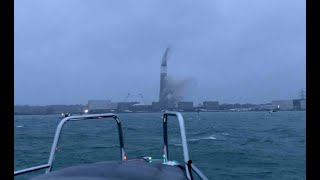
<point x="224" y="145"/>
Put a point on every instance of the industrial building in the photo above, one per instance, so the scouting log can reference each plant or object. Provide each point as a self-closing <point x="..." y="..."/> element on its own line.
<point x="303" y="104"/>
<point x="211" y="105"/>
<point x="156" y="106"/>
<point x="101" y="105"/>
<point x="299" y="104"/>
<point x="283" y="105"/>
<point x="141" y="108"/>
<point x="185" y="106"/>
<point x="267" y="107"/>
<point x="296" y="104"/>
<point x="126" y="106"/>
<point x="50" y="109"/>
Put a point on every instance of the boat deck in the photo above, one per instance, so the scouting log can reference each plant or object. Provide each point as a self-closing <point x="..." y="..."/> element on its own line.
<point x="121" y="170"/>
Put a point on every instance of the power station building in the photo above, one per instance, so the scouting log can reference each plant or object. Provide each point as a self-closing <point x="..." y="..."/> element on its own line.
<point x="98" y="105"/>
<point x="283" y="105"/>
<point x="211" y="105"/>
<point x="303" y="104"/>
<point x="299" y="104"/>
<point x="267" y="107"/>
<point x="125" y="106"/>
<point x="185" y="106"/>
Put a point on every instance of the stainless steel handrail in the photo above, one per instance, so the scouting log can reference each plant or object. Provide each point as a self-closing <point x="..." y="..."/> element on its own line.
<point x="31" y="169"/>
<point x="57" y="137"/>
<point x="198" y="172"/>
<point x="183" y="141"/>
<point x="122" y="152"/>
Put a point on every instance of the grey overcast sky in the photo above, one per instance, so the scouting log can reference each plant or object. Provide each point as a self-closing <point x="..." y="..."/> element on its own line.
<point x="70" y="51"/>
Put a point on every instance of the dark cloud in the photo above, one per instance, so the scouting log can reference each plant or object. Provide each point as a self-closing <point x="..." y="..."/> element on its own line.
<point x="67" y="52"/>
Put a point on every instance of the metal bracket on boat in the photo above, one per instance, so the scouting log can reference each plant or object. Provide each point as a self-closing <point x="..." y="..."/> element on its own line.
<point x="48" y="166"/>
<point x="187" y="161"/>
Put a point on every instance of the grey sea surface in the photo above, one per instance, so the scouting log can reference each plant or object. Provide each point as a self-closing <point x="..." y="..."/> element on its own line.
<point x="224" y="145"/>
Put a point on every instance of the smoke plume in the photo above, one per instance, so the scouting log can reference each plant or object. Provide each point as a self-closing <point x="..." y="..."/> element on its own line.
<point x="178" y="90"/>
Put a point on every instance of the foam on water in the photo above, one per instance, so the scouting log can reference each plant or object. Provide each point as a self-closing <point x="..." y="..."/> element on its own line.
<point x="275" y="144"/>
<point x="212" y="137"/>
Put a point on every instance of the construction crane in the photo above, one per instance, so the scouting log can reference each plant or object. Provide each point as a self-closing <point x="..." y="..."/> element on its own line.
<point x="140" y="96"/>
<point x="142" y="99"/>
<point x="126" y="98"/>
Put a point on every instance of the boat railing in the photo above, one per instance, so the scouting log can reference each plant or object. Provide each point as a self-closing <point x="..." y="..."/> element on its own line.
<point x="49" y="165"/>
<point x="188" y="163"/>
<point x="189" y="166"/>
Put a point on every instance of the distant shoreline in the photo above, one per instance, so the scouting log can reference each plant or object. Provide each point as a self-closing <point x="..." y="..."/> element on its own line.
<point x="30" y="114"/>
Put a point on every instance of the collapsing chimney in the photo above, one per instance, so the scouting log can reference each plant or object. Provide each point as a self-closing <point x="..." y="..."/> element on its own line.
<point x="163" y="77"/>
<point x="171" y="90"/>
<point x="164" y="95"/>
